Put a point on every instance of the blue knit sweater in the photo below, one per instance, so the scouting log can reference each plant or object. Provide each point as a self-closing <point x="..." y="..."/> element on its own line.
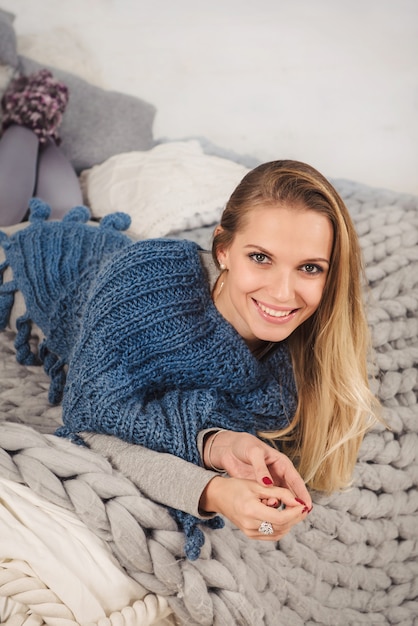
<point x="150" y="359"/>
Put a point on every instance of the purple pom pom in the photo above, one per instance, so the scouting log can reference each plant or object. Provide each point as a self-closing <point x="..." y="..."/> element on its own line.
<point x="37" y="102"/>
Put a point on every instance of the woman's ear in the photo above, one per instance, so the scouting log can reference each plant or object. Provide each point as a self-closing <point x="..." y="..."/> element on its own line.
<point x="218" y="230"/>
<point x="221" y="252"/>
<point x="222" y="257"/>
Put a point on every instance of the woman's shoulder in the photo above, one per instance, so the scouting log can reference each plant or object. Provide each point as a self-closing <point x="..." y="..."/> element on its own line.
<point x="166" y="243"/>
<point x="149" y="259"/>
<point x="152" y="266"/>
<point x="149" y="250"/>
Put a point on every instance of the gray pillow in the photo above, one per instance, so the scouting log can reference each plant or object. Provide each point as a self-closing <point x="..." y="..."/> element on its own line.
<point x="98" y="123"/>
<point x="8" y="51"/>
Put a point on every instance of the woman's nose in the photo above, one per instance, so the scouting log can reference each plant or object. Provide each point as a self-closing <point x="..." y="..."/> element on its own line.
<point x="282" y="287"/>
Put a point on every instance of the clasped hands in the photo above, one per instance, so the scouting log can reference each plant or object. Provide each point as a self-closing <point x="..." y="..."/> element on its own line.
<point x="260" y="479"/>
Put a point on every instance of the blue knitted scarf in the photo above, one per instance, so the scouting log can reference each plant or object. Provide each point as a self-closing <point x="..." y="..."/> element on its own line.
<point x="150" y="359"/>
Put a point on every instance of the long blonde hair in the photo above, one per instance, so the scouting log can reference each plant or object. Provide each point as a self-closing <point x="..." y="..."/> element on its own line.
<point x="330" y="349"/>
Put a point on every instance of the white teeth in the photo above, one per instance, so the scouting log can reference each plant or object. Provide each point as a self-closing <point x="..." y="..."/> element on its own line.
<point x="273" y="312"/>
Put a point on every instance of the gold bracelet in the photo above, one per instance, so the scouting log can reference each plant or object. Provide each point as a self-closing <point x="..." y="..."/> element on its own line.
<point x="211" y="466"/>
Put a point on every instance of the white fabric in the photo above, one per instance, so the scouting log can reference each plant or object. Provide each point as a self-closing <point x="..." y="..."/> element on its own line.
<point x="70" y="560"/>
<point x="61" y="49"/>
<point x="173" y="187"/>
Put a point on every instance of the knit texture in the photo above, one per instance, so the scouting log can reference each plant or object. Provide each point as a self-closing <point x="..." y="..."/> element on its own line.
<point x="149" y="357"/>
<point x="352" y="562"/>
<point x="53" y="265"/>
<point x="38" y="102"/>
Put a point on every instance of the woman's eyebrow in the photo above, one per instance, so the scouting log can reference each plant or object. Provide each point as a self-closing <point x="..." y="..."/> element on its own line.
<point x="258" y="247"/>
<point x="317" y="260"/>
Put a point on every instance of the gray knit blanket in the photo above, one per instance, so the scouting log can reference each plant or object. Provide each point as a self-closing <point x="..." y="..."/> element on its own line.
<point x="354" y="561"/>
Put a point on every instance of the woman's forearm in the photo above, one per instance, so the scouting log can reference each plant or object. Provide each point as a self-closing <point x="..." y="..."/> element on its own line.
<point x="174" y="482"/>
<point x="162" y="477"/>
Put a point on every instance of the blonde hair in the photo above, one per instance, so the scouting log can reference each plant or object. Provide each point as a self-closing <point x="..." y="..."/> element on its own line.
<point x="330" y="349"/>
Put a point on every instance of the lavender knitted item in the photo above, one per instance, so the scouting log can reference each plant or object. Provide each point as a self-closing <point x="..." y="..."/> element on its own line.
<point x="150" y="359"/>
<point x="37" y="102"/>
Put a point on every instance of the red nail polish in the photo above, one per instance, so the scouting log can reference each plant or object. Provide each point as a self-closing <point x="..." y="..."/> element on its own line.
<point x="300" y="501"/>
<point x="305" y="510"/>
<point x="267" y="480"/>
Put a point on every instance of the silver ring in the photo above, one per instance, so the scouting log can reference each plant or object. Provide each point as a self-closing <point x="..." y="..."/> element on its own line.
<point x="265" y="528"/>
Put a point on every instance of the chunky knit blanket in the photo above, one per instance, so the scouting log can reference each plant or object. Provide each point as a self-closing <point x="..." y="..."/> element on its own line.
<point x="354" y="561"/>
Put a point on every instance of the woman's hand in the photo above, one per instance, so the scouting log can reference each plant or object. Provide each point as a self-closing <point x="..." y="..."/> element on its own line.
<point x="242" y="502"/>
<point x="242" y="455"/>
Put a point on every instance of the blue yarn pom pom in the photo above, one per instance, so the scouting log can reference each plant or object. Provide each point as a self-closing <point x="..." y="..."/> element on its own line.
<point x="77" y="214"/>
<point x="118" y="220"/>
<point x="194" y="543"/>
<point x="38" y="210"/>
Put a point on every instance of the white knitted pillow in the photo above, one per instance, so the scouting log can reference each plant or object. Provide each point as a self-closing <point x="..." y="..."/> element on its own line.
<point x="173" y="187"/>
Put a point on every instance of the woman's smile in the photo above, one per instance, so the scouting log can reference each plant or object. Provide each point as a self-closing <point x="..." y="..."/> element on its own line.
<point x="276" y="269"/>
<point x="277" y="315"/>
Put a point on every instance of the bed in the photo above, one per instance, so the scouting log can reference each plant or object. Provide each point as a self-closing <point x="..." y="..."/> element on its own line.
<point x="80" y="543"/>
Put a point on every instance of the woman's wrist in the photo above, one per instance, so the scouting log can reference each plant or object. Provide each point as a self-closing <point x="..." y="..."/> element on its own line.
<point x="210" y="496"/>
<point x="208" y="451"/>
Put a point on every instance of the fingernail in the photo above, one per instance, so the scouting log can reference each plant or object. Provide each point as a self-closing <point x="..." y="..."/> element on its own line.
<point x="275" y="505"/>
<point x="305" y="510"/>
<point x="300" y="501"/>
<point x="267" y="480"/>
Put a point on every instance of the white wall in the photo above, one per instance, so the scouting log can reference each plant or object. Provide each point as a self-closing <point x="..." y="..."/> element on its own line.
<point x="331" y="82"/>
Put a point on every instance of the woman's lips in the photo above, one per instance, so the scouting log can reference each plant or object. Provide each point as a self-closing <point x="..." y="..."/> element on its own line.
<point x="276" y="315"/>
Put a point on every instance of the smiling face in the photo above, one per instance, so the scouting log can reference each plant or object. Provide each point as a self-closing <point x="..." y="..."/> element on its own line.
<point x="277" y="265"/>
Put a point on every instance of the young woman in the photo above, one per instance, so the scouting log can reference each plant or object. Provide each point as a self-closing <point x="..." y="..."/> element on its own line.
<point x="194" y="358"/>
